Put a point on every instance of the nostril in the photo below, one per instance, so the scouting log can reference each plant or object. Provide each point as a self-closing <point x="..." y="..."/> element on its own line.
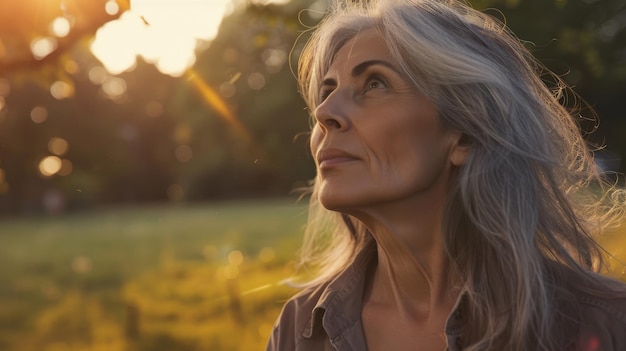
<point x="331" y="122"/>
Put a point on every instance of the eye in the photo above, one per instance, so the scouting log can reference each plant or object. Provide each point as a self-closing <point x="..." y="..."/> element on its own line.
<point x="324" y="94"/>
<point x="374" y="83"/>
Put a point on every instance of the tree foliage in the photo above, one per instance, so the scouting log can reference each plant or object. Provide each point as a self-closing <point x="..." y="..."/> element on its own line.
<point x="234" y="125"/>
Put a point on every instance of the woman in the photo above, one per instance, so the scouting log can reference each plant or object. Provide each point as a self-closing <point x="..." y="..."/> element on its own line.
<point x="458" y="199"/>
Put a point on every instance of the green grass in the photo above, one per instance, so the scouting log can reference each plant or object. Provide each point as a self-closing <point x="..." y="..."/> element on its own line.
<point x="160" y="278"/>
<point x="58" y="273"/>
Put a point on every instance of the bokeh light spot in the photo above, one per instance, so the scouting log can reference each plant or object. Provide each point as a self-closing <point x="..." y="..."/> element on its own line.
<point x="231" y="272"/>
<point x="184" y="153"/>
<point x="114" y="88"/>
<point x="235" y="257"/>
<point x="58" y="146"/>
<point x="227" y="89"/>
<point x="256" y="81"/>
<point x="98" y="75"/>
<point x="111" y="7"/>
<point x="39" y="114"/>
<point x="274" y="59"/>
<point x="42" y="47"/>
<point x="66" y="168"/>
<point x="50" y="165"/>
<point x="81" y="264"/>
<point x="60" y="27"/>
<point x="61" y="90"/>
<point x="71" y="67"/>
<point x="182" y="135"/>
<point x="2" y="103"/>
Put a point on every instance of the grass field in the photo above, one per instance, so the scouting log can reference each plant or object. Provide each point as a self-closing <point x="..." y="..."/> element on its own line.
<point x="186" y="278"/>
<point x="201" y="277"/>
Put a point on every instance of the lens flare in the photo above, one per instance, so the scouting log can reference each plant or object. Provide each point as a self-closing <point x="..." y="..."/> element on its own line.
<point x="213" y="99"/>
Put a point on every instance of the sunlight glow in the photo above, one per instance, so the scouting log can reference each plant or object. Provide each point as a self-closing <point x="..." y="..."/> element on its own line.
<point x="164" y="33"/>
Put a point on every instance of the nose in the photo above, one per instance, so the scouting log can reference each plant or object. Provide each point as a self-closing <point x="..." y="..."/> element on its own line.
<point x="331" y="114"/>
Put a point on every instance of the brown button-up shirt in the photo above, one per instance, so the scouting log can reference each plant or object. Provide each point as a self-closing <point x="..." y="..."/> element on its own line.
<point x="329" y="318"/>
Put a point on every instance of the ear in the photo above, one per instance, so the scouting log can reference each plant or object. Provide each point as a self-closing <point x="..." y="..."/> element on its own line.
<point x="460" y="149"/>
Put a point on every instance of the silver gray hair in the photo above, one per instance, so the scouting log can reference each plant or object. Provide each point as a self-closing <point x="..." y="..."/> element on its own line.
<point x="520" y="225"/>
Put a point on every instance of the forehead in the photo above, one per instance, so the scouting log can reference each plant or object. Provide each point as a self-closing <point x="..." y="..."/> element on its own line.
<point x="366" y="45"/>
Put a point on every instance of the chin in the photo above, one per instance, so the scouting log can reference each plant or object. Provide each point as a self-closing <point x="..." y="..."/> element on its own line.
<point x="332" y="204"/>
<point x="346" y="198"/>
<point x="341" y="202"/>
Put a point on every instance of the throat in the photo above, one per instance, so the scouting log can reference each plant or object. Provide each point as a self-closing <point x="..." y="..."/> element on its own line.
<point x="413" y="288"/>
<point x="403" y="307"/>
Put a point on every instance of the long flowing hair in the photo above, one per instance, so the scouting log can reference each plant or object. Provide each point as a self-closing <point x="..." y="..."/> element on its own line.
<point x="520" y="226"/>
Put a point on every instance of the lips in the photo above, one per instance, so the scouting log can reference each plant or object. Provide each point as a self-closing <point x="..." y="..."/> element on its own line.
<point x="327" y="158"/>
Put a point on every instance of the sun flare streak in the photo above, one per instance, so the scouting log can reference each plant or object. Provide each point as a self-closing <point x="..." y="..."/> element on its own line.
<point x="213" y="100"/>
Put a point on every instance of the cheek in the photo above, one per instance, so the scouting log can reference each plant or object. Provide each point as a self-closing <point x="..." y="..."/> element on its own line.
<point x="416" y="152"/>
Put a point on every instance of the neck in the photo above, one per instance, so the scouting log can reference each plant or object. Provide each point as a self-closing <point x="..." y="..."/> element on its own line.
<point x="412" y="274"/>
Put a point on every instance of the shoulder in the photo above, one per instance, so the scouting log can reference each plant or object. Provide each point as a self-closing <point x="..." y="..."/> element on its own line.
<point x="603" y="322"/>
<point x="295" y="320"/>
<point x="609" y="308"/>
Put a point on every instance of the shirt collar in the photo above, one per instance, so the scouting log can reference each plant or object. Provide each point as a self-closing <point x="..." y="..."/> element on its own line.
<point x="339" y="306"/>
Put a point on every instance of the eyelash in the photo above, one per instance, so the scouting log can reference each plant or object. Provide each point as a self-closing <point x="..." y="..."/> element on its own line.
<point x="324" y="94"/>
<point x="373" y="78"/>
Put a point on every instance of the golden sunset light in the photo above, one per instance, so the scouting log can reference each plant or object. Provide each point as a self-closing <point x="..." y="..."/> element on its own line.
<point x="164" y="33"/>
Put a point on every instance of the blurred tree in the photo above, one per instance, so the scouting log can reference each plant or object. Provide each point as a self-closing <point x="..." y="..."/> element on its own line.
<point x="38" y="33"/>
<point x="584" y="41"/>
<point x="253" y="77"/>
<point x="73" y="135"/>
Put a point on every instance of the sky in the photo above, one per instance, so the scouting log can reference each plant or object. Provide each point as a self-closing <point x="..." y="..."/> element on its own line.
<point x="163" y="32"/>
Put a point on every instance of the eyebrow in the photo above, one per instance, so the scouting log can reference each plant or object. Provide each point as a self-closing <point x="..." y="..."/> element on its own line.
<point x="363" y="66"/>
<point x="360" y="68"/>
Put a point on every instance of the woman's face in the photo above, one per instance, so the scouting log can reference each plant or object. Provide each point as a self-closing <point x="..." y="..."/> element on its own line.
<point x="376" y="140"/>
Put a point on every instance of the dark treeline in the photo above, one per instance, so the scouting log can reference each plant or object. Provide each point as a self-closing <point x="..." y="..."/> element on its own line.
<point x="166" y="139"/>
